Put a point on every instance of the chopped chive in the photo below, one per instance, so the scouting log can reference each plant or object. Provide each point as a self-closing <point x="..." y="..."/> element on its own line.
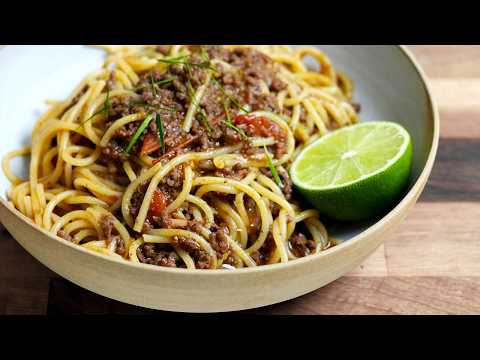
<point x="173" y="61"/>
<point x="152" y="83"/>
<point x="230" y="124"/>
<point x="231" y="98"/>
<point x="205" y="121"/>
<point x="179" y="61"/>
<point x="159" y="83"/>
<point x="273" y="170"/>
<point x="233" y="127"/>
<point x="105" y="109"/>
<point x="227" y="113"/>
<point x="204" y="54"/>
<point x="191" y="94"/>
<point x="139" y="132"/>
<point x="161" y="133"/>
<point x="165" y="81"/>
<point x="190" y="88"/>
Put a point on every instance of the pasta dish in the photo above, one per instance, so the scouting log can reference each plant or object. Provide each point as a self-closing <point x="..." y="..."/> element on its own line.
<point x="178" y="155"/>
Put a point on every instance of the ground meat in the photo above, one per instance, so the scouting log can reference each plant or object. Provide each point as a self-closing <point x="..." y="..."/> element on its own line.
<point x="163" y="49"/>
<point x="137" y="198"/>
<point x="231" y="137"/>
<point x="261" y="256"/>
<point x="218" y="52"/>
<point x="202" y="260"/>
<point x="232" y="260"/>
<point x="126" y="131"/>
<point x="253" y="216"/>
<point x="113" y="151"/>
<point x="174" y="179"/>
<point x="218" y="240"/>
<point x="274" y="209"/>
<point x="120" y="250"/>
<point x="252" y="151"/>
<point x="163" y="221"/>
<point x="256" y="68"/>
<point x="149" y="250"/>
<point x="154" y="254"/>
<point x="236" y="172"/>
<point x="106" y="225"/>
<point x="186" y="244"/>
<point x="301" y="246"/>
<point x="195" y="227"/>
<point x="64" y="235"/>
<point x="287" y="188"/>
<point x="119" y="106"/>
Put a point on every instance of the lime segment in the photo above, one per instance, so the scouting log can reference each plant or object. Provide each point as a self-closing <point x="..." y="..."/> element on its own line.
<point x="356" y="172"/>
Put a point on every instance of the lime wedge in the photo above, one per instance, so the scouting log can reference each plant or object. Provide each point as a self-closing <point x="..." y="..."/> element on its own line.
<point x="357" y="172"/>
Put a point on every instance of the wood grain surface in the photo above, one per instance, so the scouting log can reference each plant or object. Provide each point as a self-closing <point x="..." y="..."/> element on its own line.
<point x="431" y="265"/>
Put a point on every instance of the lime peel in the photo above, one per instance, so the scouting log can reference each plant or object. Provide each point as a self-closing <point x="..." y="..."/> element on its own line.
<point x="355" y="172"/>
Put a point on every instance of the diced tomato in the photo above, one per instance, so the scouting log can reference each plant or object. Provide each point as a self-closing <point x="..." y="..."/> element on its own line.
<point x="248" y="119"/>
<point x="158" y="204"/>
<point x="258" y="125"/>
<point x="150" y="144"/>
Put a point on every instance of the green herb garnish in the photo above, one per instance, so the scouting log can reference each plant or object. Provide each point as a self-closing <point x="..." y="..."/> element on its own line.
<point x="190" y="88"/>
<point x="204" y="54"/>
<point x="138" y="133"/>
<point x="230" y="124"/>
<point x="159" y="83"/>
<point x="152" y="83"/>
<point x="161" y="132"/>
<point x="173" y="61"/>
<point x="104" y="110"/>
<point x="205" y="121"/>
<point x="231" y="98"/>
<point x="273" y="170"/>
<point x="179" y="61"/>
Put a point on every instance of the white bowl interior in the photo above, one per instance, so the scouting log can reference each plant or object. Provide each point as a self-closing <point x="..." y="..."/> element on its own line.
<point x="388" y="87"/>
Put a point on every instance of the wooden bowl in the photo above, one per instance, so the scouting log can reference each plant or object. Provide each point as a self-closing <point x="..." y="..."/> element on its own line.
<point x="390" y="86"/>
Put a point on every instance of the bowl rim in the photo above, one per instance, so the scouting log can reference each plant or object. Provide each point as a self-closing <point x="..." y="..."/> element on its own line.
<point x="397" y="210"/>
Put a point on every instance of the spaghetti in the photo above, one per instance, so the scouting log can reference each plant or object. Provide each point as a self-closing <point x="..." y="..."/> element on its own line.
<point x="178" y="155"/>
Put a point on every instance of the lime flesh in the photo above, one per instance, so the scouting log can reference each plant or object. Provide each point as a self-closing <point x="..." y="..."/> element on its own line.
<point x="357" y="172"/>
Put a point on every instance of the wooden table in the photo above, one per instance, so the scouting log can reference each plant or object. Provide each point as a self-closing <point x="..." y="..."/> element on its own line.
<point x="431" y="265"/>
